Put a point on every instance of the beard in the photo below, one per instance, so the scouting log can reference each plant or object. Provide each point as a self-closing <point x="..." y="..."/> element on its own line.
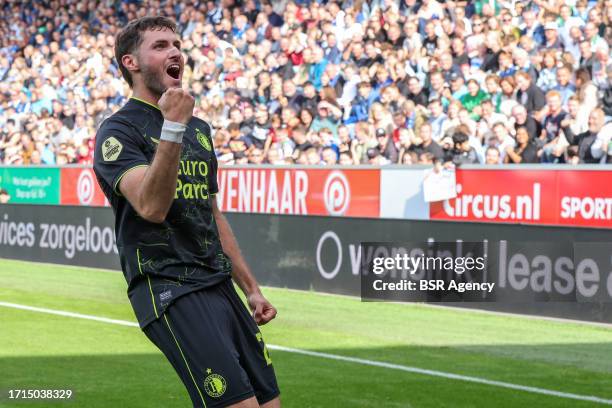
<point x="153" y="80"/>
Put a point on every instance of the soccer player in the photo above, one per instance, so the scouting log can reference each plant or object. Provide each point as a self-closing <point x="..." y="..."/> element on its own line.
<point x="155" y="163"/>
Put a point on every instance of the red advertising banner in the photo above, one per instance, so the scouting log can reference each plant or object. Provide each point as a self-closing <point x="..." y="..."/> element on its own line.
<point x="553" y="197"/>
<point x="80" y="187"/>
<point x="585" y="198"/>
<point x="346" y="192"/>
<point x="546" y="197"/>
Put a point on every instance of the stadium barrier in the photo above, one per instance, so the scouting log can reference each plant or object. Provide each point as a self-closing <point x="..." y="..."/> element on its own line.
<point x="323" y="253"/>
<point x="528" y="194"/>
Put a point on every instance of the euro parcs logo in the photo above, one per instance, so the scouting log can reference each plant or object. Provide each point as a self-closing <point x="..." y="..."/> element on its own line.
<point x="336" y="193"/>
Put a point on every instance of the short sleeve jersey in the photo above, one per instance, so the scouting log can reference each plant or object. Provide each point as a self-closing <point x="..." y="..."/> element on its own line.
<point x="162" y="262"/>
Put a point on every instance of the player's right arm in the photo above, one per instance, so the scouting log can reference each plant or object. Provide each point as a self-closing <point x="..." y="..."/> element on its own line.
<point x="120" y="158"/>
<point x="150" y="190"/>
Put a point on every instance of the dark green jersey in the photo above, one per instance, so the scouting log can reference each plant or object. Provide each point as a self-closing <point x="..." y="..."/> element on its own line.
<point x="162" y="261"/>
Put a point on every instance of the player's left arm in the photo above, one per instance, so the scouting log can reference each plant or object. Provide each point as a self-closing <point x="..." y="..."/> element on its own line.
<point x="263" y="311"/>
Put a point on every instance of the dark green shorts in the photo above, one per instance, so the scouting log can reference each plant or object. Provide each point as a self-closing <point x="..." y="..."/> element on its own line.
<point x="215" y="346"/>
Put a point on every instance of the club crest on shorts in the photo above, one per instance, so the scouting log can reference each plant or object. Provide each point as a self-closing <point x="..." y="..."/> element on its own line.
<point x="214" y="384"/>
<point x="111" y="149"/>
<point x="203" y="139"/>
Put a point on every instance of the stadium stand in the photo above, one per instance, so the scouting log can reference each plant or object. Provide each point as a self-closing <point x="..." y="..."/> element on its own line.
<point x="327" y="82"/>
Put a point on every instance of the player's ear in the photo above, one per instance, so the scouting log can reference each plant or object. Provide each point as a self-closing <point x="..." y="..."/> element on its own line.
<point x="130" y="62"/>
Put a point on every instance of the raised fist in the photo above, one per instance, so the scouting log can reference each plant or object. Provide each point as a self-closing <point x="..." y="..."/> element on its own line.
<point x="176" y="105"/>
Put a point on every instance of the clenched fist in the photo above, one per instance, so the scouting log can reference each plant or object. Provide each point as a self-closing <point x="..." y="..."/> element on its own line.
<point x="176" y="105"/>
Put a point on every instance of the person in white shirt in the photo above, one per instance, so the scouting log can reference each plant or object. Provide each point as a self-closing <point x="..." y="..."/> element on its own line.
<point x="602" y="146"/>
<point x="504" y="139"/>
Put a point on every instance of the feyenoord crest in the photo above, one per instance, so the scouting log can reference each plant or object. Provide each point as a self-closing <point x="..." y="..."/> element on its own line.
<point x="214" y="384"/>
<point x="111" y="149"/>
<point x="203" y="139"/>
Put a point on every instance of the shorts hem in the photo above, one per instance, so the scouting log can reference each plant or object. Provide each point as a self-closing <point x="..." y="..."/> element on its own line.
<point x="268" y="398"/>
<point x="233" y="400"/>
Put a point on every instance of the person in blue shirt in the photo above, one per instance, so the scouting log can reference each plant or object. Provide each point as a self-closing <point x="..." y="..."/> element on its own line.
<point x="457" y="85"/>
<point x="506" y="66"/>
<point x="361" y="106"/>
<point x="241" y="25"/>
<point x="331" y="50"/>
<point x="565" y="88"/>
<point x="530" y="26"/>
<point x="437" y="118"/>
<point x="317" y="68"/>
<point x="328" y="116"/>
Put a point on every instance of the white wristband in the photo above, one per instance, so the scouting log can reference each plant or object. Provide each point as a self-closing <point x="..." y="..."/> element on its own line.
<point x="172" y="131"/>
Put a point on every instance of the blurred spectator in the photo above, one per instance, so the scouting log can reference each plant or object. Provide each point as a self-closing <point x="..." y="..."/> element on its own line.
<point x="473" y="98"/>
<point x="462" y="152"/>
<point x="529" y="95"/>
<point x="551" y="137"/>
<point x="585" y="140"/>
<point x="520" y="117"/>
<point x="425" y="144"/>
<point x="437" y="119"/>
<point x="386" y="147"/>
<point x="525" y="150"/>
<point x="4" y="196"/>
<point x="501" y="139"/>
<point x="329" y="156"/>
<point x="602" y="146"/>
<point x="492" y="155"/>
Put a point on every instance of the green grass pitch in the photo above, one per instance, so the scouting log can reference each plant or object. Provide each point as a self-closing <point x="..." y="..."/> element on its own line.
<point x="110" y="365"/>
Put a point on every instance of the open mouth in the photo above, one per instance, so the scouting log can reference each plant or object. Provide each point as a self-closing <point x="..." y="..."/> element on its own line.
<point x="174" y="70"/>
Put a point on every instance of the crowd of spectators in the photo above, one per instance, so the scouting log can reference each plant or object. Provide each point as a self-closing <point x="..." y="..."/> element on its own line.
<point x="327" y="82"/>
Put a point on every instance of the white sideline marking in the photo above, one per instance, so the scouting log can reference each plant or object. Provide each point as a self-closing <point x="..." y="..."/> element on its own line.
<point x="347" y="359"/>
<point x="443" y="374"/>
<point x="69" y="314"/>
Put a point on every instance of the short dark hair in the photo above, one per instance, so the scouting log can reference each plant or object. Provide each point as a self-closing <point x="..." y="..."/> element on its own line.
<point x="130" y="38"/>
<point x="460" y="137"/>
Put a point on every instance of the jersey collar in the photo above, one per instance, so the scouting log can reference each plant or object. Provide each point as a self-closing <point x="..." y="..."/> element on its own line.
<point x="145" y="102"/>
